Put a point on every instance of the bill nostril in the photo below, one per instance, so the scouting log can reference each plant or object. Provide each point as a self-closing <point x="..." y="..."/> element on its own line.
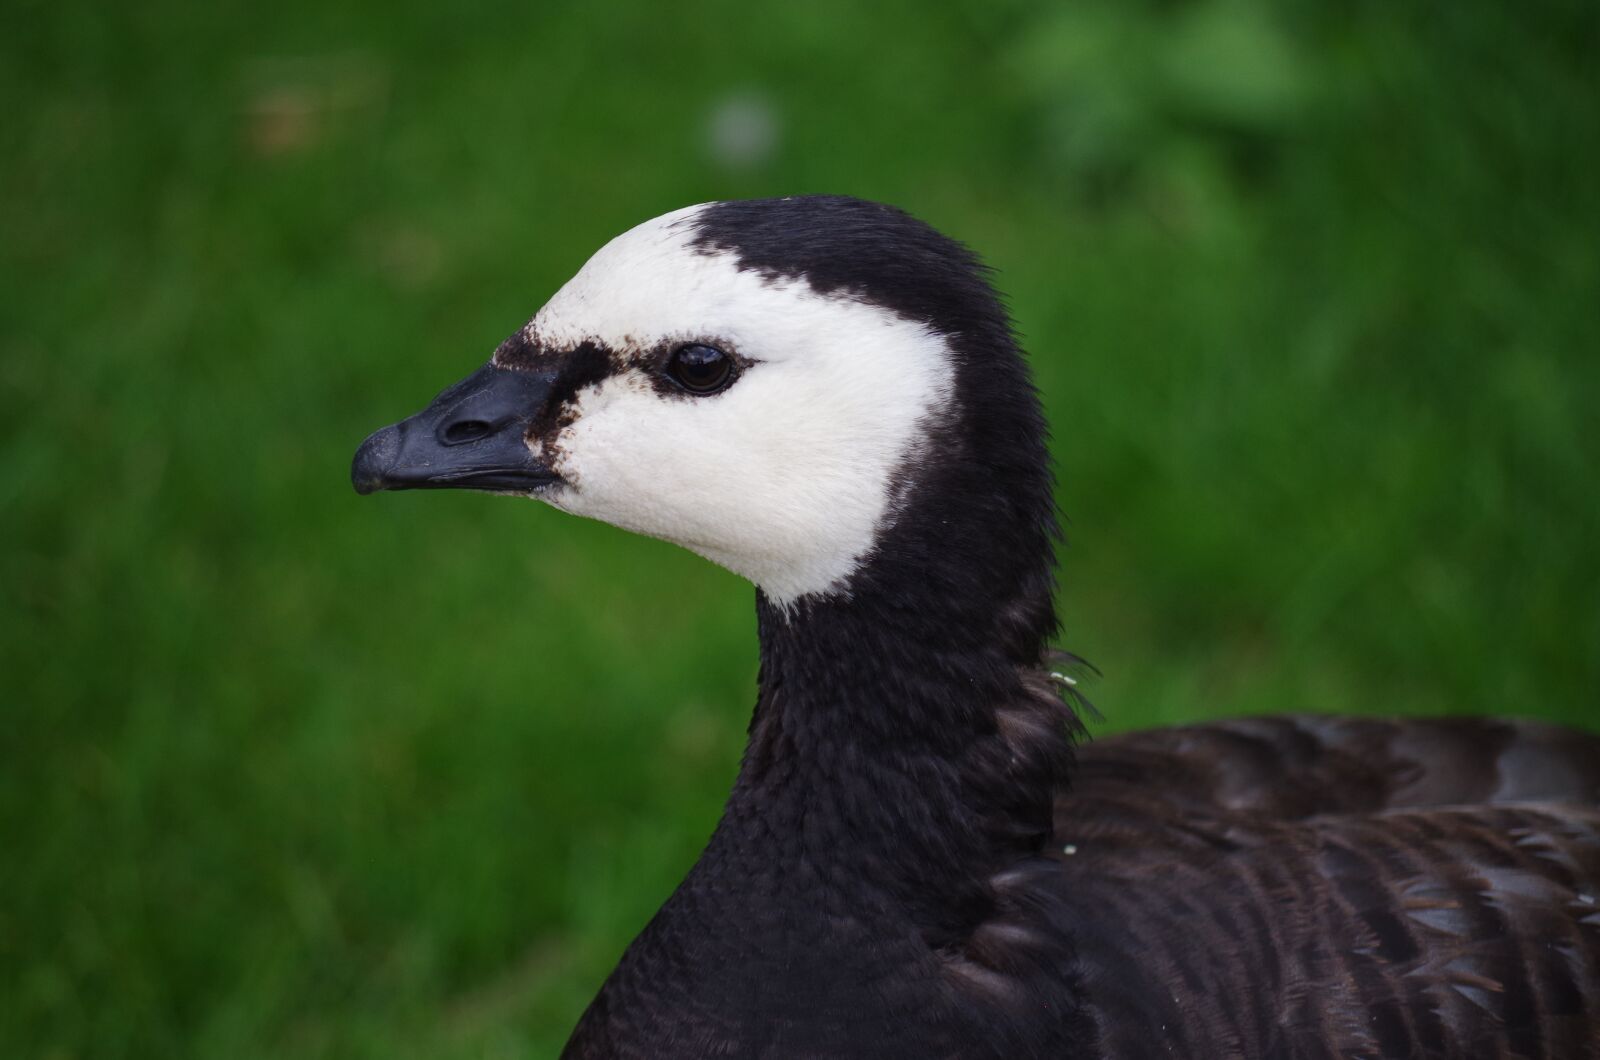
<point x="463" y="431"/>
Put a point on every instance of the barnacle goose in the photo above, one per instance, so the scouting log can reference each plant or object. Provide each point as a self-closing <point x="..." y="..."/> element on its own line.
<point x="824" y="395"/>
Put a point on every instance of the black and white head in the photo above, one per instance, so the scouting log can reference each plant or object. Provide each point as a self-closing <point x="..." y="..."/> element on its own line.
<point x="819" y="393"/>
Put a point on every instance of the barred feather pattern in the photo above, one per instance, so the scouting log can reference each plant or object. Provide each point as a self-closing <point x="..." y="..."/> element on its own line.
<point x="1337" y="888"/>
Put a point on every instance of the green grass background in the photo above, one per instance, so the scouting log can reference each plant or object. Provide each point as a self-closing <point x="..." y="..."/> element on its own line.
<point x="1311" y="291"/>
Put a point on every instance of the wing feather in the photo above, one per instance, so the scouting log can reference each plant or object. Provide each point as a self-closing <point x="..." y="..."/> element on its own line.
<point x="1305" y="887"/>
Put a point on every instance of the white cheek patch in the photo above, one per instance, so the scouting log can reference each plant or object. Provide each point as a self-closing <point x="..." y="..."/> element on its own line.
<point x="787" y="477"/>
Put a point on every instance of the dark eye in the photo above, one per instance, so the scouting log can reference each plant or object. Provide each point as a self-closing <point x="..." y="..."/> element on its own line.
<point x="700" y="369"/>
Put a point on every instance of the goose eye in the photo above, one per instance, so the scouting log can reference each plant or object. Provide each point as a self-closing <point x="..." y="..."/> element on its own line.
<point x="700" y="369"/>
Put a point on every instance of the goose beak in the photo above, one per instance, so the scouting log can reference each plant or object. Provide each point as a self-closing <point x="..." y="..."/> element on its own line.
<point x="473" y="436"/>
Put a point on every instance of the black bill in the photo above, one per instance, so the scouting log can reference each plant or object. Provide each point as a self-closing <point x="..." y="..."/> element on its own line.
<point x="473" y="436"/>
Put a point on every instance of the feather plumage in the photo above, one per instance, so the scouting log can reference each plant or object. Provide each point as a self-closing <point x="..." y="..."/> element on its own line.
<point x="1344" y="887"/>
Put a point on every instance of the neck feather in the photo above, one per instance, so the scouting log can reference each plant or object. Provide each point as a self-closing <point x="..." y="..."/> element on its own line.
<point x="895" y="778"/>
<point x="913" y="762"/>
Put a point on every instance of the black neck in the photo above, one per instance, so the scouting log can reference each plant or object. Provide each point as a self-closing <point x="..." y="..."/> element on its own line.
<point x="893" y="769"/>
<point x="879" y="742"/>
<point x="906" y="747"/>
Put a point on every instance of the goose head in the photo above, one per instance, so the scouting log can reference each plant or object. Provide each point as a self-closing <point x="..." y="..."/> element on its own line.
<point x="773" y="384"/>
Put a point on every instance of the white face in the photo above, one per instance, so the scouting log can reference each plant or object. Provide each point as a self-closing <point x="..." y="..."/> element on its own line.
<point x="788" y="476"/>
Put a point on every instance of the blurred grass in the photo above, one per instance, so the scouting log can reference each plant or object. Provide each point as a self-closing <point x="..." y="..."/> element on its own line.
<point x="1311" y="293"/>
